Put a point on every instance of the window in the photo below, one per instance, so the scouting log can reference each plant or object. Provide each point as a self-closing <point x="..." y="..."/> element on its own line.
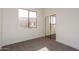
<point x="23" y="17"/>
<point x="32" y="19"/>
<point x="27" y="18"/>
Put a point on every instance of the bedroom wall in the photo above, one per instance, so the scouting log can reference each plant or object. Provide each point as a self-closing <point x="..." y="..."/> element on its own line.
<point x="67" y="26"/>
<point x="13" y="33"/>
<point x="0" y="28"/>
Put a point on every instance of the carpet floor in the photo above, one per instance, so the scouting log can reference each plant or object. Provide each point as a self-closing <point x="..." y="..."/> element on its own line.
<point x="38" y="44"/>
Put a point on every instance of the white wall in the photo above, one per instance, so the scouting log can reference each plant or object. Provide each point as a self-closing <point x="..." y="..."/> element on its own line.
<point x="67" y="27"/>
<point x="13" y="33"/>
<point x="49" y="11"/>
<point x="0" y="28"/>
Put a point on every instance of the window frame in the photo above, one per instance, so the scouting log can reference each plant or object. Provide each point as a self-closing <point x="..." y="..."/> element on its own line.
<point x="29" y="17"/>
<point x="19" y="20"/>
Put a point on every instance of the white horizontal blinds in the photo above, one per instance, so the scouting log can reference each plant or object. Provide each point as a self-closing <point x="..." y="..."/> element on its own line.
<point x="32" y="19"/>
<point x="23" y="17"/>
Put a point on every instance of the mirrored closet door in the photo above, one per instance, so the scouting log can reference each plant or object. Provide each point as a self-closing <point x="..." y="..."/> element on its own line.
<point x="50" y="26"/>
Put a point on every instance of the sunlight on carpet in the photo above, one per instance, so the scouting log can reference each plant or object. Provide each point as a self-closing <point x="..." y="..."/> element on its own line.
<point x="43" y="49"/>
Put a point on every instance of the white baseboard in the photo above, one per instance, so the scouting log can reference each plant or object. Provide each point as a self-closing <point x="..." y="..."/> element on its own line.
<point x="24" y="39"/>
<point x="64" y="42"/>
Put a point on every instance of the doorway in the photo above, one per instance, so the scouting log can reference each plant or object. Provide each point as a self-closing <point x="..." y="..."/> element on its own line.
<point x="50" y="26"/>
